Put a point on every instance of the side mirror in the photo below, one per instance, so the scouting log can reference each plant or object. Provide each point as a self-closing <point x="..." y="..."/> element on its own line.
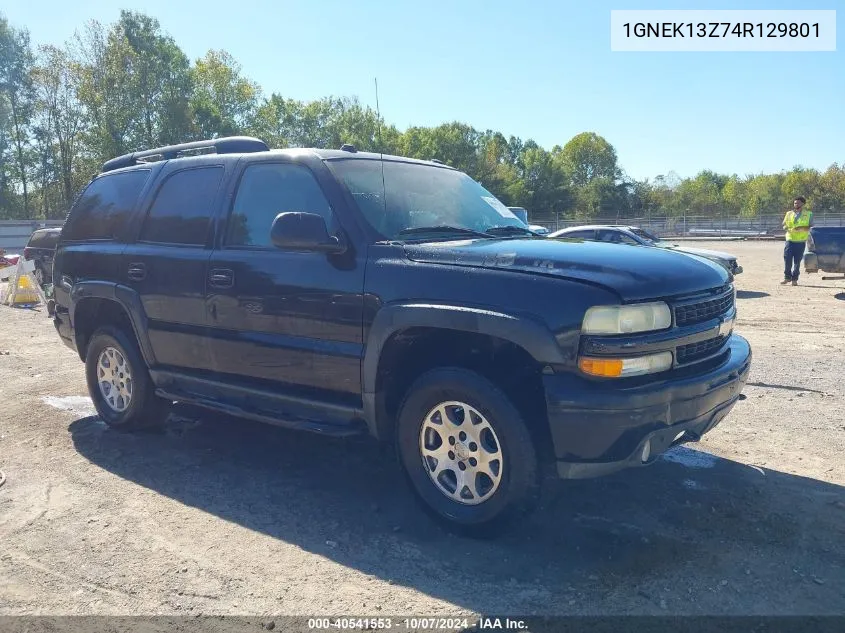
<point x="295" y="231"/>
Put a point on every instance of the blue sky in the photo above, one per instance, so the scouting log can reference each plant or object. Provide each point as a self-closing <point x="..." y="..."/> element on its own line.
<point x="529" y="68"/>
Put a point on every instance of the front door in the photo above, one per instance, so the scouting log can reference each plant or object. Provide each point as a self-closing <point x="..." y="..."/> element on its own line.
<point x="281" y="320"/>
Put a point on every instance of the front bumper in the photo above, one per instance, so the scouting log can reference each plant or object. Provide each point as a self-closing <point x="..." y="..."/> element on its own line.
<point x="598" y="428"/>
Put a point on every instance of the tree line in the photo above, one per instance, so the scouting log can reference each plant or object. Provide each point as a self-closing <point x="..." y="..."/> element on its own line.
<point x="117" y="88"/>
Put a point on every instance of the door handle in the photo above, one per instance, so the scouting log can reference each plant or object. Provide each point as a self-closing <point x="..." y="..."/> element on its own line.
<point x="137" y="272"/>
<point x="222" y="278"/>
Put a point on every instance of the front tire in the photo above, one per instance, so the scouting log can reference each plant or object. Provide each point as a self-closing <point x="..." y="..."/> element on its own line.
<point x="467" y="452"/>
<point x="119" y="382"/>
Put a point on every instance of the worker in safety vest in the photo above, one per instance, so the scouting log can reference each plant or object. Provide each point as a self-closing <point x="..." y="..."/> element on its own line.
<point x="797" y="225"/>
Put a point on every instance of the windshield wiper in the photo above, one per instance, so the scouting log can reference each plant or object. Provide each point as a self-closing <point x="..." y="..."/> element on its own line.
<point x="442" y="228"/>
<point x="510" y="230"/>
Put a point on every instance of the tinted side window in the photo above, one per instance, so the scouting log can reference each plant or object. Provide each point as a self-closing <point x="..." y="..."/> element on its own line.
<point x="580" y="235"/>
<point x="616" y="237"/>
<point x="104" y="206"/>
<point x="266" y="190"/>
<point x="183" y="206"/>
<point x="43" y="239"/>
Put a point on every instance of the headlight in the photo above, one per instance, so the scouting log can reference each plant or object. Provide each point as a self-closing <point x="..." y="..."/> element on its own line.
<point x="642" y="317"/>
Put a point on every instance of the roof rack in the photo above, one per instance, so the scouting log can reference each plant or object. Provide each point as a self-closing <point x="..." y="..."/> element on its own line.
<point x="348" y="147"/>
<point x="225" y="145"/>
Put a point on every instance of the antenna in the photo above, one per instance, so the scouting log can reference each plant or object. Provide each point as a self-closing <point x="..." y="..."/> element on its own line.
<point x="378" y="117"/>
<point x="381" y="152"/>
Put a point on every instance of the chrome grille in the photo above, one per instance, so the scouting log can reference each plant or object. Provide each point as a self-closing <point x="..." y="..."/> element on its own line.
<point x="692" y="313"/>
<point x="696" y="351"/>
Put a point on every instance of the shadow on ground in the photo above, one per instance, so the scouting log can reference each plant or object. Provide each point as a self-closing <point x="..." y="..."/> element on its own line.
<point x="751" y="294"/>
<point x="784" y="387"/>
<point x="840" y="296"/>
<point x="693" y="523"/>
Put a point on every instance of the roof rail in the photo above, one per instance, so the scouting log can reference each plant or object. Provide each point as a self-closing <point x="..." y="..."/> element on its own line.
<point x="438" y="161"/>
<point x="225" y="145"/>
<point x="348" y="147"/>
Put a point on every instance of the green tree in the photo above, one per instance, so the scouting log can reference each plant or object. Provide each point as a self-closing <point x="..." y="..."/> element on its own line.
<point x="545" y="190"/>
<point x="800" y="182"/>
<point x="56" y="79"/>
<point x="223" y="100"/>
<point x="830" y="195"/>
<point x="161" y="78"/>
<point x="763" y="195"/>
<point x="18" y="96"/>
<point x="588" y="156"/>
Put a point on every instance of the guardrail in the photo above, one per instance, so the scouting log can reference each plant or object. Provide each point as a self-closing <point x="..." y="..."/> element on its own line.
<point x="14" y="234"/>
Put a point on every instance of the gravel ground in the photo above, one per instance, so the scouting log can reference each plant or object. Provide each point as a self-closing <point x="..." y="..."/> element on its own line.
<point x="221" y="516"/>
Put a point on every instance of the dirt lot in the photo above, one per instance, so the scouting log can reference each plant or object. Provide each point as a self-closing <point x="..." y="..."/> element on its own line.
<point x="218" y="516"/>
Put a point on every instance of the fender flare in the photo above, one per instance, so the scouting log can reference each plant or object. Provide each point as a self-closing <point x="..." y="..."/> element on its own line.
<point x="126" y="298"/>
<point x="533" y="336"/>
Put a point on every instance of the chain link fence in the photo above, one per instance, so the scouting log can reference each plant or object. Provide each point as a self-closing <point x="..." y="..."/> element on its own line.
<point x="696" y="225"/>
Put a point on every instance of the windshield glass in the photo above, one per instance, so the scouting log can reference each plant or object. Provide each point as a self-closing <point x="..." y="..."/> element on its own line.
<point x="648" y="237"/>
<point x="412" y="196"/>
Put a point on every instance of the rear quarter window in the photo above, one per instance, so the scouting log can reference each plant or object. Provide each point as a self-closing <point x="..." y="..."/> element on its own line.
<point x="43" y="239"/>
<point x="105" y="206"/>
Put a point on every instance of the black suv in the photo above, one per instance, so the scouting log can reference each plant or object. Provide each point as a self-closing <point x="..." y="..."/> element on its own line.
<point x="344" y="292"/>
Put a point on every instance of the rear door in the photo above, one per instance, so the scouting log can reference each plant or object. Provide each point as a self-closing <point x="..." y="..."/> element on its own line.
<point x="166" y="263"/>
<point x="93" y="238"/>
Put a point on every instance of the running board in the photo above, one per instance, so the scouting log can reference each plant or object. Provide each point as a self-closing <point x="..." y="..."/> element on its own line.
<point x="262" y="406"/>
<point x="323" y="428"/>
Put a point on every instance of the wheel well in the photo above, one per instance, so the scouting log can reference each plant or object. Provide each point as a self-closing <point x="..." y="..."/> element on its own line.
<point x="409" y="353"/>
<point x="91" y="314"/>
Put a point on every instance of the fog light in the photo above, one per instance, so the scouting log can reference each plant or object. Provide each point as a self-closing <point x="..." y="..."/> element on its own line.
<point x="621" y="367"/>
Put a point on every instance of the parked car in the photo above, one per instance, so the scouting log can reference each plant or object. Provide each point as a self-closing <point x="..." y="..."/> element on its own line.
<point x="40" y="250"/>
<point x="522" y="214"/>
<point x="636" y="236"/>
<point x="345" y="293"/>
<point x="825" y="250"/>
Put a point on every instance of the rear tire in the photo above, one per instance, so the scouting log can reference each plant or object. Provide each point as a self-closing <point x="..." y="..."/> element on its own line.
<point x="467" y="452"/>
<point x="119" y="382"/>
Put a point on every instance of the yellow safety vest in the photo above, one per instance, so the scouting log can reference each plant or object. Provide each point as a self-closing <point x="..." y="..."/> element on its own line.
<point x="797" y="226"/>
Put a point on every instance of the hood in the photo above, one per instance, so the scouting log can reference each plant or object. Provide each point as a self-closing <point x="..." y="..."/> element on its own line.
<point x="634" y="273"/>
<point x="703" y="252"/>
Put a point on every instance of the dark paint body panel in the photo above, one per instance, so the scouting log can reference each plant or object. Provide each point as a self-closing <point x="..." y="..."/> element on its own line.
<point x="826" y="250"/>
<point x="291" y="318"/>
<point x="634" y="274"/>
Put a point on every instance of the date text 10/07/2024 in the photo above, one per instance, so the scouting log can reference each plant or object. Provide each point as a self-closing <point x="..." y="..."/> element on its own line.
<point x="417" y="624"/>
<point x="720" y="29"/>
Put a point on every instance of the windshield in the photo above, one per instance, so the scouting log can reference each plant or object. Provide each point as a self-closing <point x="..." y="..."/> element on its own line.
<point x="648" y="237"/>
<point x="414" y="196"/>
